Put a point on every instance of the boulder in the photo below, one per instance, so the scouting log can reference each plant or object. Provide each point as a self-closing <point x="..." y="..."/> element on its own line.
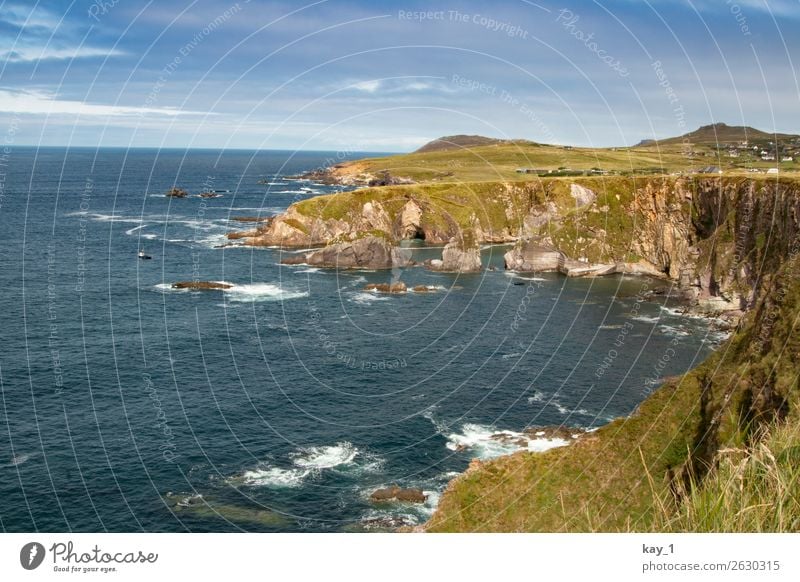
<point x="370" y="252"/>
<point x="176" y="192"/>
<point x="582" y="195"/>
<point x="396" y="493"/>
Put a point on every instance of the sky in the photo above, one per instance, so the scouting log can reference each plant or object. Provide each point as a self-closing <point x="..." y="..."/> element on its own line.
<point x="349" y="75"/>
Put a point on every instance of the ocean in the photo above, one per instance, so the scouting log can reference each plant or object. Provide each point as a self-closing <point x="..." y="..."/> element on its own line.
<point x="282" y="403"/>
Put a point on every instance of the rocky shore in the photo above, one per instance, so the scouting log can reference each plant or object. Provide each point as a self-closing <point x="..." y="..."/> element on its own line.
<point x="671" y="228"/>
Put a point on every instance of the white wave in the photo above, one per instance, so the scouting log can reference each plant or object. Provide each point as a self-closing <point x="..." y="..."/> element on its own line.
<point x="19" y="459"/>
<point x="150" y="236"/>
<point x="275" y="477"/>
<point x="366" y="297"/>
<point x="682" y="313"/>
<point x="537" y="397"/>
<point x="253" y="292"/>
<point x="509" y="356"/>
<point x="514" y="275"/>
<point x="673" y="331"/>
<point x="326" y="457"/>
<point x="212" y="241"/>
<point x="134" y="229"/>
<point x="107" y="217"/>
<point x="488" y="443"/>
<point x="646" y="319"/>
<point x="257" y="292"/>
<point x="309" y="270"/>
<point x="429" y="288"/>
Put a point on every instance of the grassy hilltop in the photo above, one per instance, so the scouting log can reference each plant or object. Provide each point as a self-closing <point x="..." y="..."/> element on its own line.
<point x="476" y="159"/>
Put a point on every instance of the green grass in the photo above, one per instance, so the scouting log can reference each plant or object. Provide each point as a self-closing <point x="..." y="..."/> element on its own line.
<point x="754" y="489"/>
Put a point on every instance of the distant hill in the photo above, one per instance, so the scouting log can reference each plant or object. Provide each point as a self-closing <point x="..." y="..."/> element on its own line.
<point x="723" y="133"/>
<point x="457" y="142"/>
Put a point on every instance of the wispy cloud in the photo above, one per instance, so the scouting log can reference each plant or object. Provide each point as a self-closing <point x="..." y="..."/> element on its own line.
<point x="395" y="85"/>
<point x="42" y="35"/>
<point x="41" y="103"/>
<point x="41" y="53"/>
<point x="26" y="16"/>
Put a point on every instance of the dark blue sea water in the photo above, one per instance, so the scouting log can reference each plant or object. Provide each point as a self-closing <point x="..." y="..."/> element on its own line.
<point x="281" y="404"/>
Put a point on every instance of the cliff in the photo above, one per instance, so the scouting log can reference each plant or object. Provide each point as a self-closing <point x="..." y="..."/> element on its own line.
<point x="714" y="450"/>
<point x="713" y="236"/>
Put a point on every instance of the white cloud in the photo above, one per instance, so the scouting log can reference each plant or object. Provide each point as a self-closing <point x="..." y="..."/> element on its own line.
<point x="30" y="54"/>
<point x="368" y="86"/>
<point x="28" y="17"/>
<point x="40" y="103"/>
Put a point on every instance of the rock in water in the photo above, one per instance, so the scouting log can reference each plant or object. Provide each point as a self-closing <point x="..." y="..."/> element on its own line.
<point x="533" y="256"/>
<point x="395" y="493"/>
<point x="176" y="192"/>
<point x="370" y="252"/>
<point x="201" y="285"/>
<point x="396" y="287"/>
<point x="460" y="255"/>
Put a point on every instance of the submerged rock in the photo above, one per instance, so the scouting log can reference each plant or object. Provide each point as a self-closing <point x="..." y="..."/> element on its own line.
<point x="204" y="507"/>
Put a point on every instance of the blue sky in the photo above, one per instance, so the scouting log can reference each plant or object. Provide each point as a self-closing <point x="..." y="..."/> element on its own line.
<point x="380" y="76"/>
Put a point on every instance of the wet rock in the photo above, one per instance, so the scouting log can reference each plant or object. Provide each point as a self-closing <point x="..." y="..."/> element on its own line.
<point x="533" y="256"/>
<point x="396" y="493"/>
<point x="396" y="287"/>
<point x="460" y="255"/>
<point x="554" y="432"/>
<point x="371" y="252"/>
<point x="201" y="285"/>
<point x="176" y="192"/>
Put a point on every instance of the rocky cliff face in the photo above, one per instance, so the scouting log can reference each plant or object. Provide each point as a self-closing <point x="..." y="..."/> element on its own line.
<point x="714" y="237"/>
<point x="366" y="253"/>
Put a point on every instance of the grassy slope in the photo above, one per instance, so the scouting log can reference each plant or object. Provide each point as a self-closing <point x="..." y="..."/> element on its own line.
<point x="498" y="162"/>
<point x="625" y="477"/>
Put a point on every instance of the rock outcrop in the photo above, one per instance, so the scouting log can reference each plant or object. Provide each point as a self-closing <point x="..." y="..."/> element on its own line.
<point x="460" y="255"/>
<point x="534" y="256"/>
<point x="371" y="252"/>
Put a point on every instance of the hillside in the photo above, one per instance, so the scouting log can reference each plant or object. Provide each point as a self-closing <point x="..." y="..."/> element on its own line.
<point x="721" y="133"/>
<point x="455" y="142"/>
<point x="478" y="159"/>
